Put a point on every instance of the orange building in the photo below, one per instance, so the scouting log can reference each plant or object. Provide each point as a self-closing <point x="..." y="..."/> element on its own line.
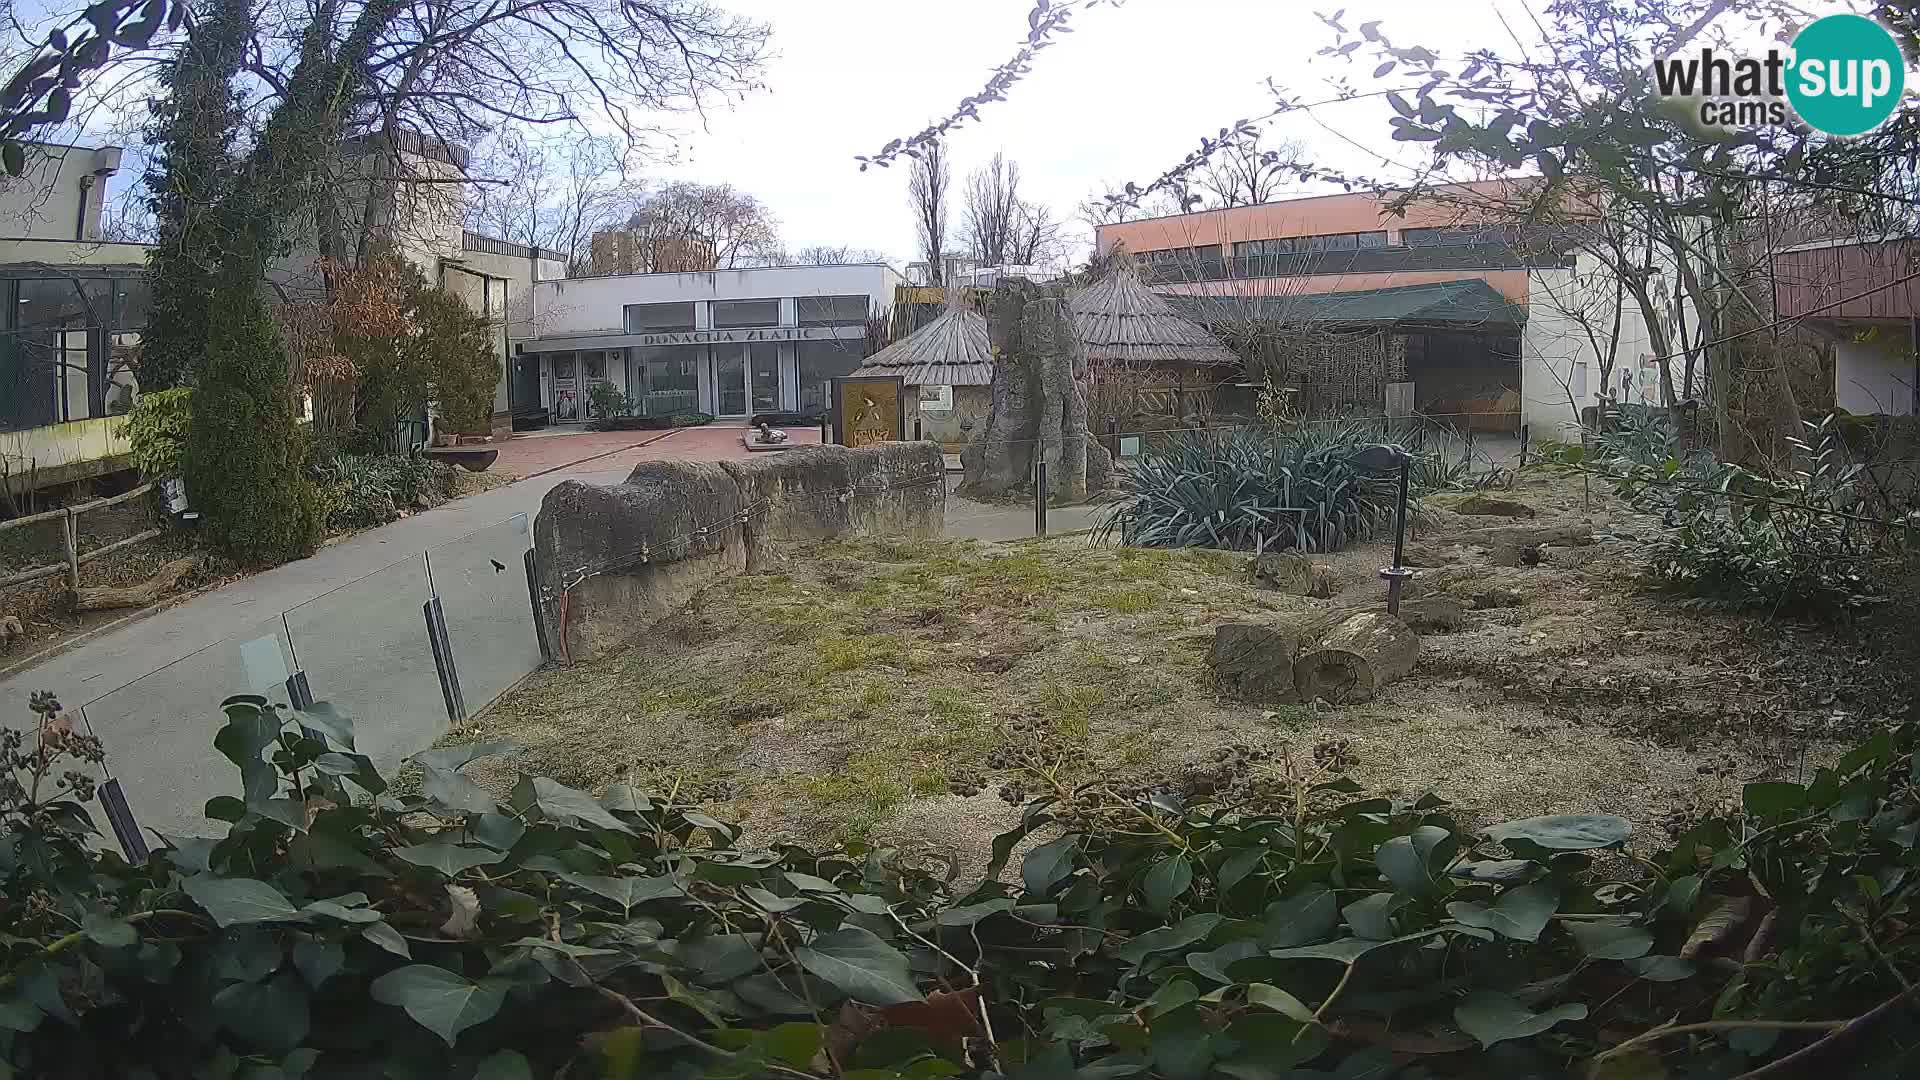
<point x="1435" y="293"/>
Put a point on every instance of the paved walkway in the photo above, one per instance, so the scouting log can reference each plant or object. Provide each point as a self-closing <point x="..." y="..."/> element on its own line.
<point x="606" y="451"/>
<point x="353" y="621"/>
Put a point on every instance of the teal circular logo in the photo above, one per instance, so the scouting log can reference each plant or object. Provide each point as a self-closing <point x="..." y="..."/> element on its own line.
<point x="1847" y="74"/>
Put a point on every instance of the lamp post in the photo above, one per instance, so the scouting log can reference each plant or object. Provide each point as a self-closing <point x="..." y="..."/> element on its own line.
<point x="1387" y="457"/>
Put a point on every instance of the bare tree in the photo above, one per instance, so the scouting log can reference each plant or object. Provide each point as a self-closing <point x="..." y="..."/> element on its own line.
<point x="830" y="255"/>
<point x="1245" y="174"/>
<point x="553" y="193"/>
<point x="928" y="186"/>
<point x="686" y="227"/>
<point x="1000" y="227"/>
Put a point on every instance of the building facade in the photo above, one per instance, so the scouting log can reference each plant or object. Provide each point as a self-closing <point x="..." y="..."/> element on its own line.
<point x="1861" y="294"/>
<point x="730" y="343"/>
<point x="1489" y="323"/>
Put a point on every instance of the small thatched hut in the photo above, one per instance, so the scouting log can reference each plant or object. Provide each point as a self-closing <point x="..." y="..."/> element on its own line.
<point x="953" y="352"/>
<point x="1143" y="357"/>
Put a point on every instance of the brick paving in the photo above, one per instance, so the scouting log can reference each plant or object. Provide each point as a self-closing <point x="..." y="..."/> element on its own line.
<point x="607" y="451"/>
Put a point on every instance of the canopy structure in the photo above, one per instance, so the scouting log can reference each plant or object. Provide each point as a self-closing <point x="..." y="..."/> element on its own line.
<point x="1121" y="321"/>
<point x="952" y="350"/>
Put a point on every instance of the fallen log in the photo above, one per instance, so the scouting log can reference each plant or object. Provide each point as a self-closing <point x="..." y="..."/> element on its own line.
<point x="1352" y="661"/>
<point x="1254" y="661"/>
<point x="102" y="597"/>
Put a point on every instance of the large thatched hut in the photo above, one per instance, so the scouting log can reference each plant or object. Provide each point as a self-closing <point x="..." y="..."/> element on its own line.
<point x="1144" y="358"/>
<point x="950" y="363"/>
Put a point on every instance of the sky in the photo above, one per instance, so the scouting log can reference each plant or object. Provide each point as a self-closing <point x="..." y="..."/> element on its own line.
<point x="1123" y="97"/>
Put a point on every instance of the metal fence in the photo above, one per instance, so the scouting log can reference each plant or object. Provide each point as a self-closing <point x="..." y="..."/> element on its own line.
<point x="409" y="651"/>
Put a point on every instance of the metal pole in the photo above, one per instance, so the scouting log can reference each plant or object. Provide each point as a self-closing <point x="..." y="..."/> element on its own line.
<point x="916" y="428"/>
<point x="1113" y="437"/>
<point x="443" y="660"/>
<point x="1397" y="574"/>
<point x="826" y="429"/>
<point x="1039" y="495"/>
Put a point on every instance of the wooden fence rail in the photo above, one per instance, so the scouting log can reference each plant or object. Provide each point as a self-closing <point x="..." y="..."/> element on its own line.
<point x="74" y="560"/>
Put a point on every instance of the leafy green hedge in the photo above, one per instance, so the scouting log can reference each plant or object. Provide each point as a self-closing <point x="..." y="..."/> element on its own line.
<point x="156" y="430"/>
<point x="343" y="927"/>
<point x="372" y="489"/>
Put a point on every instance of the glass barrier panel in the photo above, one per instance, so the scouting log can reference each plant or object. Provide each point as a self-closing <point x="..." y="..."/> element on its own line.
<point x="482" y="582"/>
<point x="158" y="730"/>
<point x="365" y="650"/>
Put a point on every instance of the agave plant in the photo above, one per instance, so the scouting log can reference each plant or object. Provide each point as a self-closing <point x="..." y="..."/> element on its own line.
<point x="1260" y="489"/>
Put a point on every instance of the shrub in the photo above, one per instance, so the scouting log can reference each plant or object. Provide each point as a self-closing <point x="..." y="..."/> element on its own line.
<point x="245" y="461"/>
<point x="461" y="356"/>
<point x="608" y="402"/>
<point x="373" y="489"/>
<point x="1738" y="540"/>
<point x="1262" y="489"/>
<point x="157" y="429"/>
<point x="342" y="927"/>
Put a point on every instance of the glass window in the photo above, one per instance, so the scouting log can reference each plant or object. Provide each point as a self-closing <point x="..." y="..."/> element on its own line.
<point x="659" y="318"/>
<point x="819" y="363"/>
<point x="665" y="380"/>
<point x="735" y="313"/>
<point x="832" y="310"/>
<point x="1373" y="239"/>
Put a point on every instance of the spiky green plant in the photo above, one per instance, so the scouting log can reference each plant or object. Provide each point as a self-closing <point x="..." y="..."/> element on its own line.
<point x="1261" y="489"/>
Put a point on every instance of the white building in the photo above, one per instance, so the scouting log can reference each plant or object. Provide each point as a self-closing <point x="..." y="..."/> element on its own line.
<point x="732" y="343"/>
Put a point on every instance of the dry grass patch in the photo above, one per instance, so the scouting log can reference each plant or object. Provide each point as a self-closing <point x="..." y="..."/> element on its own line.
<point x="858" y="686"/>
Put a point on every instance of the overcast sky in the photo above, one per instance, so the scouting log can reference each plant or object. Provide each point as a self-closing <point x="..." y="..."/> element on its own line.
<point x="1124" y="97"/>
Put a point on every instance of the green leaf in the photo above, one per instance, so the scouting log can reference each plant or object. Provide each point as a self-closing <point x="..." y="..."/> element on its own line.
<point x="1213" y="965"/>
<point x="234" y="901"/>
<point x="1519" y="913"/>
<point x="1166" y="882"/>
<point x="717" y="959"/>
<point x="243" y="739"/>
<point x="861" y="965"/>
<point x="1346" y="950"/>
<point x="1610" y="941"/>
<point x="444" y="1002"/>
<point x="498" y="831"/>
<point x="351" y="908"/>
<point x="273" y="1016"/>
<point x="970" y="914"/>
<point x="1049" y="864"/>
<point x="1239" y="865"/>
<point x="793" y="1044"/>
<point x="1268" y="996"/>
<point x="1566" y="832"/>
<point x="1372" y="916"/>
<point x="504" y="1065"/>
<point x="1178" y="936"/>
<point x="558" y="802"/>
<point x="449" y="859"/>
<point x="1407" y="861"/>
<point x="1181" y="1044"/>
<point x="1307" y="916"/>
<point x="1661" y="968"/>
<point x="319" y="960"/>
<point x="621" y="799"/>
<point x="1492" y="1017"/>
<point x="455" y="792"/>
<point x="455" y="758"/>
<point x="628" y="892"/>
<point x="333" y="725"/>
<point x="387" y="938"/>
<point x="1771" y="800"/>
<point x="108" y="932"/>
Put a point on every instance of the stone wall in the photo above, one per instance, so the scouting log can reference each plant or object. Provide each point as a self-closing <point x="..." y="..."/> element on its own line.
<point x="612" y="561"/>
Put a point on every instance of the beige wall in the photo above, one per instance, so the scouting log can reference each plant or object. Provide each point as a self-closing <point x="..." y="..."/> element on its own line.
<point x="59" y="195"/>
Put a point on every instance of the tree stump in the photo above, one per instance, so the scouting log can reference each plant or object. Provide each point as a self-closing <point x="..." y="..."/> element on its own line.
<point x="101" y="597"/>
<point x="1293" y="573"/>
<point x="1352" y="661"/>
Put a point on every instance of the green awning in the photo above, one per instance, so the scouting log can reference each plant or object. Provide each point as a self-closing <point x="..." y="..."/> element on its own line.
<point x="1465" y="304"/>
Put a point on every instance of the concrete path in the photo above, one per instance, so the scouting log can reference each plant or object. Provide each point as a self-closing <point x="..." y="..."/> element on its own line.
<point x="351" y="617"/>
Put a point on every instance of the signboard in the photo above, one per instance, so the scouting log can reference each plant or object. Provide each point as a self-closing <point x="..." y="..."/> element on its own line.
<point x="869" y="409"/>
<point x="717" y="337"/>
<point x="936" y="399"/>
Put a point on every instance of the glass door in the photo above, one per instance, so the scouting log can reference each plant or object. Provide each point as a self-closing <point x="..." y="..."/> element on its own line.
<point x="763" y="366"/>
<point x="730" y="379"/>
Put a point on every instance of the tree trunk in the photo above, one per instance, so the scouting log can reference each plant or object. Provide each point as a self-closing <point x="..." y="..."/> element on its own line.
<point x="1039" y="404"/>
<point x="100" y="598"/>
<point x="1254" y="661"/>
<point x="1351" y="662"/>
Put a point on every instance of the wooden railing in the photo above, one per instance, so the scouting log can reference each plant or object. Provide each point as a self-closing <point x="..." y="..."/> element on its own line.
<point x="68" y="516"/>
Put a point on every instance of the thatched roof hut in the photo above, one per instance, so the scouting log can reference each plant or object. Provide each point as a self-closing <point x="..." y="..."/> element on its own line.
<point x="952" y="350"/>
<point x="1121" y="321"/>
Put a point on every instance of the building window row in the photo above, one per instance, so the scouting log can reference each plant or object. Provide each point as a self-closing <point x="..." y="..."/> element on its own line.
<point x="745" y="314"/>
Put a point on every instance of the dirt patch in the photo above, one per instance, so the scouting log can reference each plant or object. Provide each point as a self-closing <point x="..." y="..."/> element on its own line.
<point x="888" y="691"/>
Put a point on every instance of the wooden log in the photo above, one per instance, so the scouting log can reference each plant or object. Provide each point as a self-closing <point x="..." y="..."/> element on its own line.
<point x="100" y="597"/>
<point x="1254" y="661"/>
<point x="36" y="574"/>
<point x="89" y="556"/>
<point x="1351" y="662"/>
